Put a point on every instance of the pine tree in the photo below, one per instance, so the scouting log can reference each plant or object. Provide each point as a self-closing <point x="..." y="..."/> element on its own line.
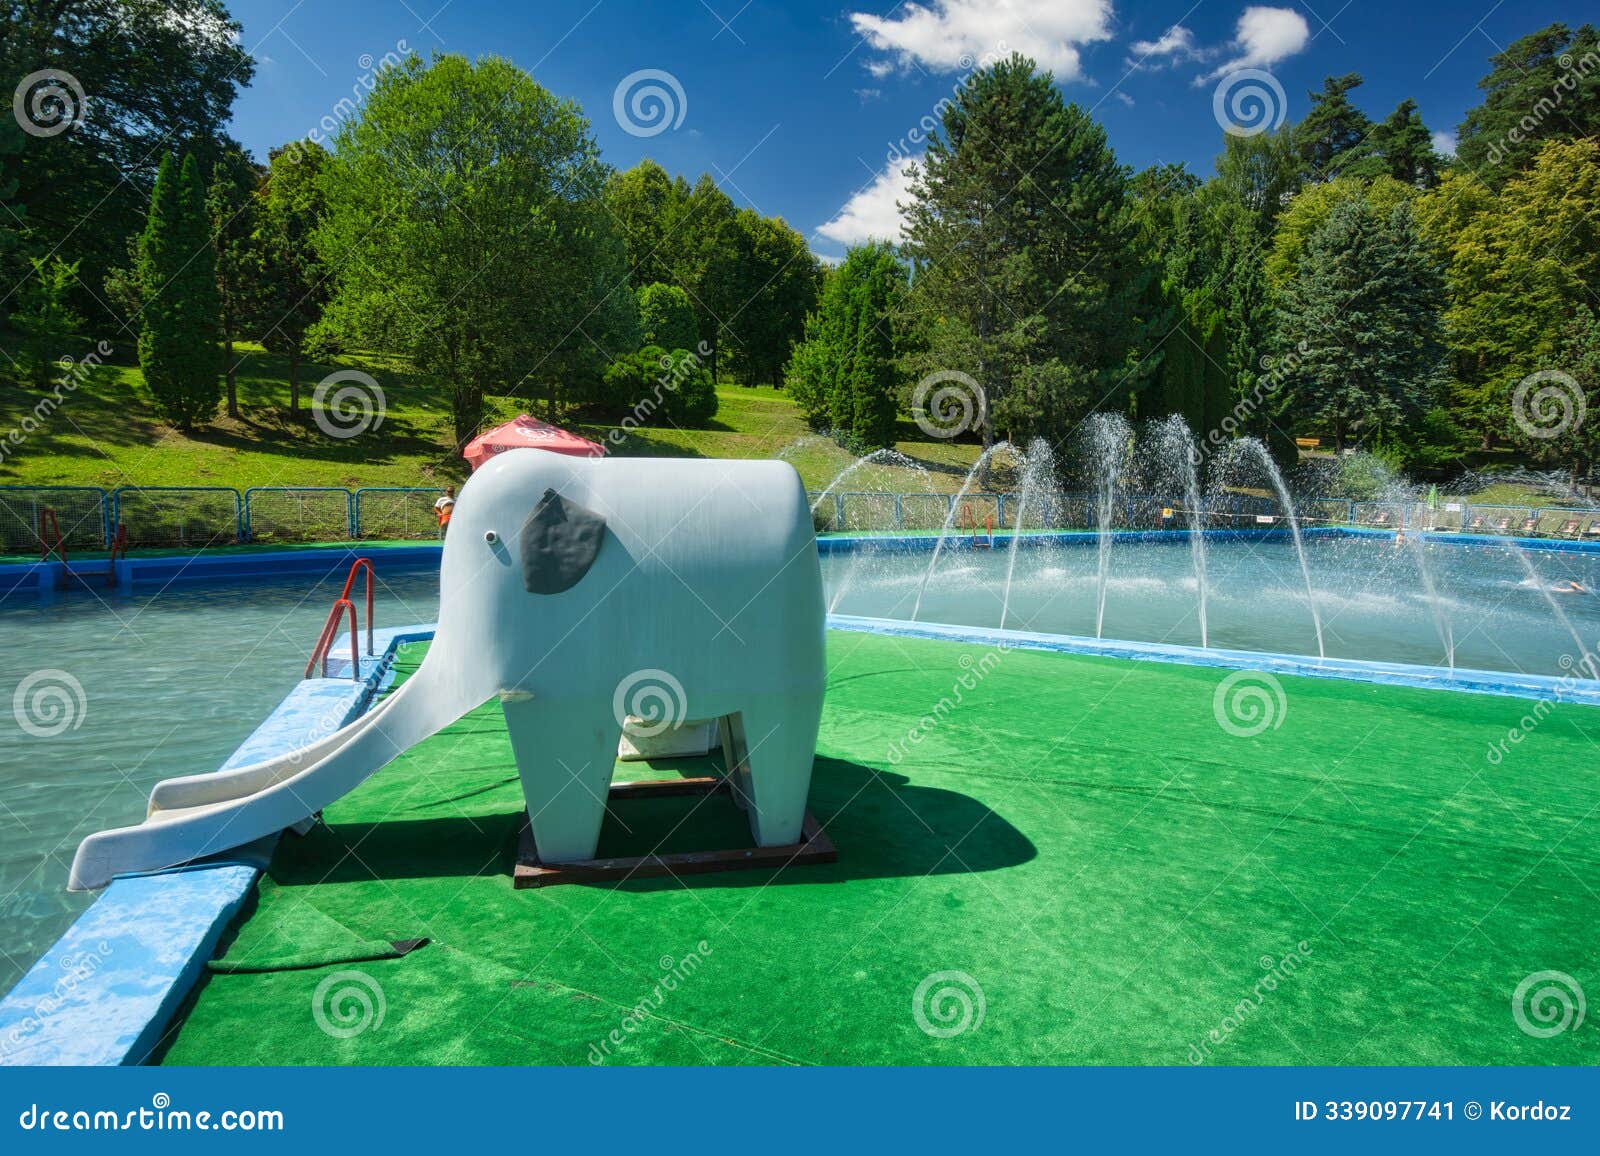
<point x="1404" y="148"/>
<point x="845" y="375"/>
<point x="1334" y="133"/>
<point x="1025" y="255"/>
<point x="1543" y="87"/>
<point x="1362" y="317"/>
<point x="180" y="326"/>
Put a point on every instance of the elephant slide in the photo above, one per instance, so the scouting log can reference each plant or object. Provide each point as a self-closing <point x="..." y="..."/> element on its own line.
<point x="584" y="595"/>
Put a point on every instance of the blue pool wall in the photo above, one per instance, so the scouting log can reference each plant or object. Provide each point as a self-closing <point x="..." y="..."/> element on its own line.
<point x="106" y="991"/>
<point x="46" y="580"/>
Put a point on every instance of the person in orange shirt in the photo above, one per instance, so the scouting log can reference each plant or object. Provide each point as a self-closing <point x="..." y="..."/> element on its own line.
<point x="444" y="507"/>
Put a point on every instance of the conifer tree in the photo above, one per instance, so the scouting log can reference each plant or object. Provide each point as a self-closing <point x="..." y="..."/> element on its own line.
<point x="180" y="325"/>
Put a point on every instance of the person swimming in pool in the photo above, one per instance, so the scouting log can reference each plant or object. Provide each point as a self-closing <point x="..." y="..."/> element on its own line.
<point x="1569" y="587"/>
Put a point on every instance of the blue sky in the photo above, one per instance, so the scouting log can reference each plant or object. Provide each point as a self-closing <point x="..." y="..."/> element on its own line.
<point x="800" y="108"/>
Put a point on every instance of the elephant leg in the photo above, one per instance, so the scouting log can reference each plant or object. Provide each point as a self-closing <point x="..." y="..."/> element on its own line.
<point x="565" y="755"/>
<point x="774" y="743"/>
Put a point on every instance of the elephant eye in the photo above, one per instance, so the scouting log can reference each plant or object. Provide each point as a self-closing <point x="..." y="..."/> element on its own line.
<point x="560" y="540"/>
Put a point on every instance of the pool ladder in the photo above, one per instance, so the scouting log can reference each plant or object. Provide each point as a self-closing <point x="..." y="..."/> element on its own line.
<point x="53" y="541"/>
<point x="341" y="606"/>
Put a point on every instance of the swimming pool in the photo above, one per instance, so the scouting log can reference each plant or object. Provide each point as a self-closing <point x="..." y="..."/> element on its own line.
<point x="167" y="683"/>
<point x="173" y="680"/>
<point x="1372" y="596"/>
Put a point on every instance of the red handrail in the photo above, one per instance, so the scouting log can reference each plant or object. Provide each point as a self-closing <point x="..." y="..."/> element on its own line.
<point x="119" y="547"/>
<point x="325" y="641"/>
<point x="349" y="584"/>
<point x="50" y="527"/>
<point x="319" y="653"/>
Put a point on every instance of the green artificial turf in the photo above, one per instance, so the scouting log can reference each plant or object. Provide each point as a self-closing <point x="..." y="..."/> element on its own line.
<point x="1122" y="879"/>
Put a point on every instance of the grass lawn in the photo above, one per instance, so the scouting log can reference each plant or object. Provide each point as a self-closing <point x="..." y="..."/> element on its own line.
<point x="1078" y="844"/>
<point x="106" y="433"/>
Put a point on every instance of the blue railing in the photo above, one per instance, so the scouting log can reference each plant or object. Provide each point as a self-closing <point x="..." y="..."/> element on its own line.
<point x="216" y="515"/>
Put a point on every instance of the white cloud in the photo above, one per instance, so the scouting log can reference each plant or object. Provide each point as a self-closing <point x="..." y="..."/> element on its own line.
<point x="873" y="214"/>
<point x="1177" y="42"/>
<point x="1444" y="143"/>
<point x="1265" y="36"/>
<point x="1124" y="98"/>
<point x="953" y="35"/>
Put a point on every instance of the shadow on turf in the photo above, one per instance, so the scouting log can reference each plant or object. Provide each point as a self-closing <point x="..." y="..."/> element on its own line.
<point x="883" y="826"/>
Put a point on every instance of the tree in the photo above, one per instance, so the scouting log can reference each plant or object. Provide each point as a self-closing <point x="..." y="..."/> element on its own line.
<point x="231" y="211"/>
<point x="180" y="324"/>
<point x="666" y="318"/>
<point x="701" y="222"/>
<point x="666" y="387"/>
<point x="1401" y="149"/>
<point x="1258" y="173"/>
<point x="496" y="266"/>
<point x="1520" y="266"/>
<point x="845" y="375"/>
<point x="642" y="199"/>
<point x="43" y="320"/>
<point x="1543" y="87"/>
<point x="1362" y="319"/>
<point x="293" y="284"/>
<point x="1312" y="205"/>
<point x="154" y="76"/>
<point x="1023" y="250"/>
<point x="774" y="286"/>
<point x="1334" y="132"/>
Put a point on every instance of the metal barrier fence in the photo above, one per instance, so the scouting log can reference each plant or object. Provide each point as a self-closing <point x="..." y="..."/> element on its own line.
<point x="298" y="514"/>
<point x="83" y="514"/>
<point x="394" y="512"/>
<point x="191" y="516"/>
<point x="199" y="516"/>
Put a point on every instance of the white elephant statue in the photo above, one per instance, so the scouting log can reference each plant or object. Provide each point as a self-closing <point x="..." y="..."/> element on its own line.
<point x="582" y="593"/>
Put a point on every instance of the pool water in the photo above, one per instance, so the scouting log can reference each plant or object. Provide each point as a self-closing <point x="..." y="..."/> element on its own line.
<point x="1370" y="593"/>
<point x="172" y="682"/>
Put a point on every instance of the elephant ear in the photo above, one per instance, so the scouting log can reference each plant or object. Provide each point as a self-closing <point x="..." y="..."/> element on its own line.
<point x="560" y="541"/>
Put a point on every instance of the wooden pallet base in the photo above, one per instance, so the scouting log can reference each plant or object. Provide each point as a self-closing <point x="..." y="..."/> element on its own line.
<point x="814" y="846"/>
